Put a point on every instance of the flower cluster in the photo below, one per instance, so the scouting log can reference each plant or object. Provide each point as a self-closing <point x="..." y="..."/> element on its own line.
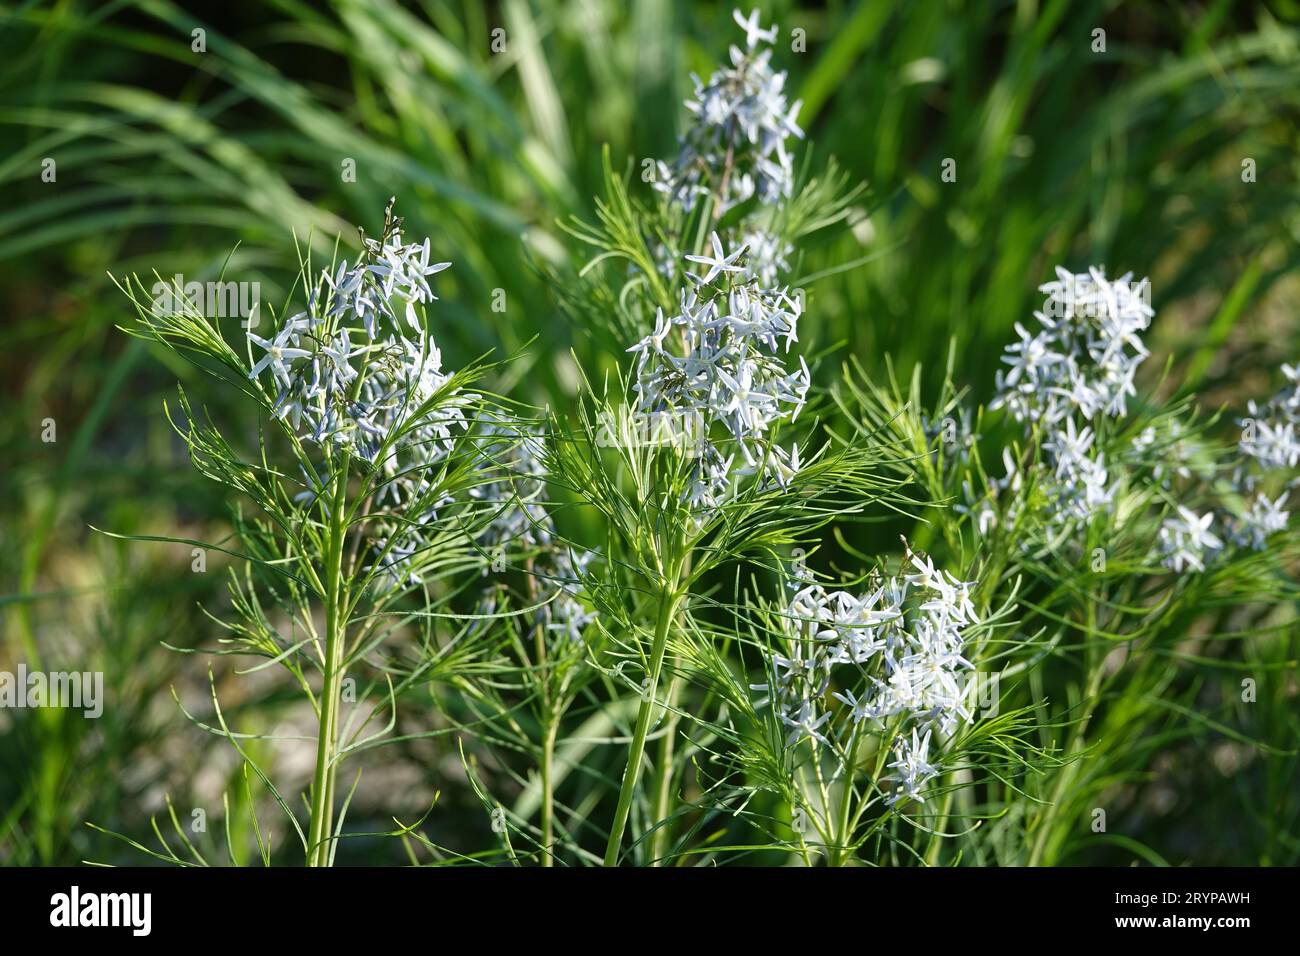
<point x="1251" y="514"/>
<point x="357" y="366"/>
<point x="894" y="653"/>
<point x="1078" y="367"/>
<point x="736" y="146"/>
<point x="1083" y="359"/>
<point x="716" y="363"/>
<point x="1269" y="446"/>
<point x="1264" y="517"/>
<point x="358" y="370"/>
<point x="1269" y="433"/>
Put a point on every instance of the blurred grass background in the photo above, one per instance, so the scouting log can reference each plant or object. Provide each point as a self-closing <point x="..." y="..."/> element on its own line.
<point x="191" y="162"/>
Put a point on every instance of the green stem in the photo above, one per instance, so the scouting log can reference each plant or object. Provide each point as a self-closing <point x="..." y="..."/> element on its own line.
<point x="322" y="788"/>
<point x="668" y="602"/>
<point x="548" y="791"/>
<point x="664" y="778"/>
<point x="844" y="828"/>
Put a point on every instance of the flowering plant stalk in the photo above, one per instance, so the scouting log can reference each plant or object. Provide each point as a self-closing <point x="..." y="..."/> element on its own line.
<point x="663" y="541"/>
<point x="1110" y="524"/>
<point x="694" y="472"/>
<point x="381" y="505"/>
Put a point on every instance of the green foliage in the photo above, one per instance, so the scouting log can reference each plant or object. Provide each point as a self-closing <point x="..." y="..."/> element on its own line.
<point x="1121" y="683"/>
